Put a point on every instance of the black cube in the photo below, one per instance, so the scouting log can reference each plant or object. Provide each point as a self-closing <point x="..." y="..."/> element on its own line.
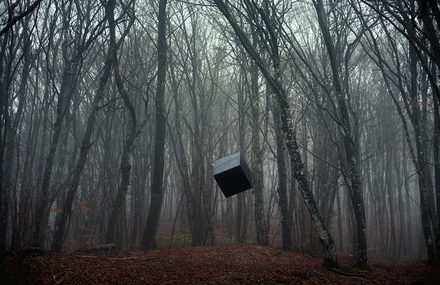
<point x="232" y="174"/>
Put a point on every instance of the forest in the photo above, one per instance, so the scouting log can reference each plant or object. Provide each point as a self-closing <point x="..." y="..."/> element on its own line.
<point x="113" y="112"/>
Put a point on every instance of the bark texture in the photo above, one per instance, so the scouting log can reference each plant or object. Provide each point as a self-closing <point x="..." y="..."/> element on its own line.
<point x="149" y="236"/>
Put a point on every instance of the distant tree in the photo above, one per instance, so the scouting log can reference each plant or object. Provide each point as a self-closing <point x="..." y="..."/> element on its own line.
<point x="415" y="20"/>
<point x="12" y="38"/>
<point x="61" y="222"/>
<point x="72" y="57"/>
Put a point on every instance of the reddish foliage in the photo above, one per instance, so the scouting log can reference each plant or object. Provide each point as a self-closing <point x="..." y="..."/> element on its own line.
<point x="228" y="264"/>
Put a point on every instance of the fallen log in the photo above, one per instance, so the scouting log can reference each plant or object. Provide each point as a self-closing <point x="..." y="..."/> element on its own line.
<point x="105" y="247"/>
<point x="21" y="254"/>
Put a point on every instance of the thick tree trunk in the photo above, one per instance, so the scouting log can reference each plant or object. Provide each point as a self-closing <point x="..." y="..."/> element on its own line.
<point x="257" y="162"/>
<point x="283" y="201"/>
<point x="420" y="163"/>
<point x="436" y="146"/>
<point x="4" y="113"/>
<point x="149" y="235"/>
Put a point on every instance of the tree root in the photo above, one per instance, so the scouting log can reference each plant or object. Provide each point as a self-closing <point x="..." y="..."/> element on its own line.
<point x="351" y="275"/>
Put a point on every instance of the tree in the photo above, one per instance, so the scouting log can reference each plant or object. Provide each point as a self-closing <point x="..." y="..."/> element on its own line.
<point x="330" y="258"/>
<point x="125" y="165"/>
<point x="61" y="222"/>
<point x="10" y="118"/>
<point x="403" y="19"/>
<point x="149" y="236"/>
<point x="72" y="59"/>
<point x="352" y="159"/>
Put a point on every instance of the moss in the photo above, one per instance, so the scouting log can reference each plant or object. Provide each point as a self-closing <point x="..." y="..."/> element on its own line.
<point x="346" y="269"/>
<point x="125" y="165"/>
<point x="277" y="252"/>
<point x="331" y="263"/>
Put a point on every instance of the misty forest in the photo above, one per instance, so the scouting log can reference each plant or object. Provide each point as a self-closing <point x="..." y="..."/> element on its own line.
<point x="113" y="112"/>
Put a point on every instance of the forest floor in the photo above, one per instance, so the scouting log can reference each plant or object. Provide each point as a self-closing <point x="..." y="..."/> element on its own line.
<point x="223" y="264"/>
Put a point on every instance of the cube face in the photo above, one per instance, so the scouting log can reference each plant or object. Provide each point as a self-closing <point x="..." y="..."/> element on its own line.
<point x="232" y="174"/>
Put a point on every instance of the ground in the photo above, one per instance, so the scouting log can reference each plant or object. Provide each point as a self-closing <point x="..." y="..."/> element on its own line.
<point x="224" y="264"/>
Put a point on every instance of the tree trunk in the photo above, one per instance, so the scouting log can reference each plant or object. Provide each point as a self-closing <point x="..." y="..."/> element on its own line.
<point x="149" y="235"/>
<point x="283" y="201"/>
<point x="436" y="146"/>
<point x="125" y="165"/>
<point x="415" y="117"/>
<point x="4" y="123"/>
<point x="40" y="213"/>
<point x="61" y="221"/>
<point x="24" y="207"/>
<point x="257" y="161"/>
<point x="349" y="142"/>
<point x="330" y="258"/>
<point x="241" y="221"/>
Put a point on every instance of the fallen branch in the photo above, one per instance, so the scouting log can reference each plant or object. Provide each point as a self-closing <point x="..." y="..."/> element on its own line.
<point x="87" y="256"/>
<point x="352" y="275"/>
<point x="22" y="253"/>
<point x="135" y="257"/>
<point x="62" y="279"/>
<point x="98" y="248"/>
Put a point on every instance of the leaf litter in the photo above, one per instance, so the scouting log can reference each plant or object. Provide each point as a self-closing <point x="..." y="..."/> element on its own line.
<point x="225" y="264"/>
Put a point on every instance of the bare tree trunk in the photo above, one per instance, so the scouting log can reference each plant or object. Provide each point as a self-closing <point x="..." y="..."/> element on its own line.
<point x="42" y="204"/>
<point x="436" y="146"/>
<point x="241" y="221"/>
<point x="283" y="202"/>
<point x="326" y="239"/>
<point x="149" y="236"/>
<point x="349" y="143"/>
<point x="4" y="128"/>
<point x="125" y="164"/>
<point x="257" y="161"/>
<point x="61" y="221"/>
<point x="426" y="214"/>
<point x="11" y="137"/>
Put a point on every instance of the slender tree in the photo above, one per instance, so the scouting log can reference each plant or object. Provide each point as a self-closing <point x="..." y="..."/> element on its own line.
<point x="330" y="258"/>
<point x="149" y="235"/>
<point x="125" y="165"/>
<point x="61" y="222"/>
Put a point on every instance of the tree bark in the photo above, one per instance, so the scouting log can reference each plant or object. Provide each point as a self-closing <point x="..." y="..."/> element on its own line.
<point x="349" y="142"/>
<point x="61" y="221"/>
<point x="326" y="239"/>
<point x="283" y="201"/>
<point x="149" y="235"/>
<point x="125" y="165"/>
<point x="257" y="161"/>
<point x="421" y="165"/>
<point x="40" y="213"/>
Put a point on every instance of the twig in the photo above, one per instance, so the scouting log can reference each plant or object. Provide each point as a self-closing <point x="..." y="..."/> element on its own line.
<point x="59" y="281"/>
<point x="135" y="257"/>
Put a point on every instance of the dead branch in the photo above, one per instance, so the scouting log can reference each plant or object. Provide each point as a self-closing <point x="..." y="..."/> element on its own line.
<point x="105" y="247"/>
